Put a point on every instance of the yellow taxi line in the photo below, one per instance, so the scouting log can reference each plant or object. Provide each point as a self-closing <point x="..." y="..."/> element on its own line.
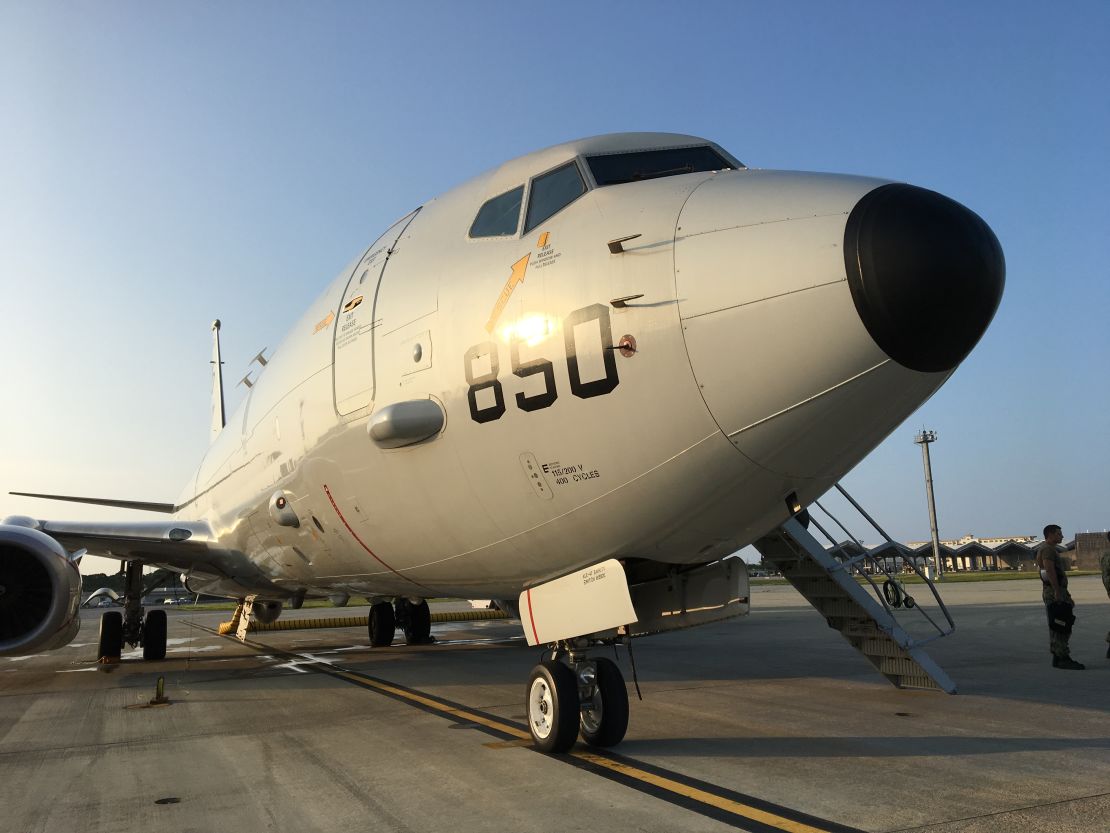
<point x="627" y="770"/>
<point x="702" y="796"/>
<point x="658" y="782"/>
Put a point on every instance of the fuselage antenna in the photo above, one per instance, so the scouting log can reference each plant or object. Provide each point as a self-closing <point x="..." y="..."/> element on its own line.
<point x="219" y="418"/>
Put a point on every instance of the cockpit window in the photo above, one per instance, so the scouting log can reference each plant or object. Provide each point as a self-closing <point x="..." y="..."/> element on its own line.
<point x="499" y="216"/>
<point x="616" y="168"/>
<point x="553" y="191"/>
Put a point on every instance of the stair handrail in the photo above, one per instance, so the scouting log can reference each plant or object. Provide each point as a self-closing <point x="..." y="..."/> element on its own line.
<point x="912" y="562"/>
<point x="846" y="565"/>
<point x="866" y="555"/>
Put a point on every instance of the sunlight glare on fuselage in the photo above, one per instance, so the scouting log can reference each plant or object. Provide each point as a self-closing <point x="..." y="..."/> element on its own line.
<point x="530" y="329"/>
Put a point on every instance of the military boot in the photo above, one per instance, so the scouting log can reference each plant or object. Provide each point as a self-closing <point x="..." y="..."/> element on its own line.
<point x="1067" y="663"/>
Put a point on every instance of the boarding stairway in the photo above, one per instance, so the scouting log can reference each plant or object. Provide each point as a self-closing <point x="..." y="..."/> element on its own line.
<point x="862" y="596"/>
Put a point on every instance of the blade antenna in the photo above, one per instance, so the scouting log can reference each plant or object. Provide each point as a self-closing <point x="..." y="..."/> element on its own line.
<point x="219" y="418"/>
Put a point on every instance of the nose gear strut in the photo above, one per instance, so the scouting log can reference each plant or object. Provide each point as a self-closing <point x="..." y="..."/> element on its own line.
<point x="570" y="694"/>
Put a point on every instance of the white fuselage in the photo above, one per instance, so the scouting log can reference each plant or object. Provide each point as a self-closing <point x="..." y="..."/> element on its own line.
<point x="752" y="378"/>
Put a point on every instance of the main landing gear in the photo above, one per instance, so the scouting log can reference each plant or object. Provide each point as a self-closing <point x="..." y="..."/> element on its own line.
<point x="130" y="626"/>
<point x="571" y="694"/>
<point x="414" y="619"/>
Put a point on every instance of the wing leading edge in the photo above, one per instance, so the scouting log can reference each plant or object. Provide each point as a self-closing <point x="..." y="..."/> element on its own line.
<point x="188" y="547"/>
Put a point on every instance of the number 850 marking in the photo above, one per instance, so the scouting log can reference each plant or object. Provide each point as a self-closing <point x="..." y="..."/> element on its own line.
<point x="538" y="401"/>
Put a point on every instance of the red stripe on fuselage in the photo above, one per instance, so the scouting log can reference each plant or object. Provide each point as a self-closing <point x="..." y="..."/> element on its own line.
<point x="354" y="535"/>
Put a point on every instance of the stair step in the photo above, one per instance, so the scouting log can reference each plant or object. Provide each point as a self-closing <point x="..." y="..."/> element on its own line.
<point x="818" y="591"/>
<point x="861" y="633"/>
<point x="829" y="601"/>
<point x="915" y="681"/>
<point x="799" y="574"/>
<point x="874" y="647"/>
<point x="851" y="608"/>
<point x="902" y="666"/>
<point x="839" y="607"/>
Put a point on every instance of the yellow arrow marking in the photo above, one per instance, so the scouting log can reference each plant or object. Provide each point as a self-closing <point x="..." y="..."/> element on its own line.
<point x="324" y="322"/>
<point x="517" y="277"/>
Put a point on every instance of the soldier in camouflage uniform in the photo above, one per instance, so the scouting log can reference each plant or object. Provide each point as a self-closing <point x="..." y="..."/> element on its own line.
<point x="1055" y="589"/>
<point x="1104" y="563"/>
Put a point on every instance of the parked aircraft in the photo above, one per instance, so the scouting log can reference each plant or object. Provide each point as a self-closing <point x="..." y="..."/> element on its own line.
<point x="574" y="384"/>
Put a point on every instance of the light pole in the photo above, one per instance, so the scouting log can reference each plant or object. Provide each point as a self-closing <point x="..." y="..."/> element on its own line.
<point x="923" y="439"/>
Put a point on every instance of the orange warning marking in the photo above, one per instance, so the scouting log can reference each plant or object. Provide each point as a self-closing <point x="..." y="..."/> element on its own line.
<point x="324" y="322"/>
<point x="517" y="277"/>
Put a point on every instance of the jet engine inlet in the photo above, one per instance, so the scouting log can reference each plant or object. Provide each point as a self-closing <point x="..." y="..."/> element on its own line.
<point x="926" y="275"/>
<point x="266" y="612"/>
<point x="41" y="592"/>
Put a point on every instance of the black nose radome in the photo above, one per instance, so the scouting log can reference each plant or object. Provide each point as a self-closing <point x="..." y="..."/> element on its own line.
<point x="926" y="275"/>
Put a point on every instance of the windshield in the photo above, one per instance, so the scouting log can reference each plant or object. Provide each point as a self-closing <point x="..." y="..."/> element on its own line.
<point x="617" y="168"/>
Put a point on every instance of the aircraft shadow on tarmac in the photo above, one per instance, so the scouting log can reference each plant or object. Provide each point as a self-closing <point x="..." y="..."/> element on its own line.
<point x="908" y="746"/>
<point x="998" y="652"/>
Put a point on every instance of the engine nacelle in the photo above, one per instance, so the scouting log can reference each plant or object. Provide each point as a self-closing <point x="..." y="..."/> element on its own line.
<point x="40" y="591"/>
<point x="266" y="611"/>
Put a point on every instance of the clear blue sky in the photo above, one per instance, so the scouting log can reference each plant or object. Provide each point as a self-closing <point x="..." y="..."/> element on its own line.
<point x="164" y="164"/>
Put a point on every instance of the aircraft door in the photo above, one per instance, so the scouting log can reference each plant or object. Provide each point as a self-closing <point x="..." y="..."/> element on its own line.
<point x="357" y="317"/>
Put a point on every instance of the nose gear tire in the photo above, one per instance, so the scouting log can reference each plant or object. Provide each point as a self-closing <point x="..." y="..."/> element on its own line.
<point x="551" y="704"/>
<point x="605" y="718"/>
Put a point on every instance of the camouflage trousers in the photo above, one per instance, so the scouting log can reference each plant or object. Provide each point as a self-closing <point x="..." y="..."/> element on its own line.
<point x="1057" y="642"/>
<point x="1104" y="565"/>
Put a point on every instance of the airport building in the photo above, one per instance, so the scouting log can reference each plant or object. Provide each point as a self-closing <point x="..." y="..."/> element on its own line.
<point x="974" y="554"/>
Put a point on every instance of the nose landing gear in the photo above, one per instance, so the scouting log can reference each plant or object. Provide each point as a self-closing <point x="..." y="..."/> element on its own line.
<point x="570" y="694"/>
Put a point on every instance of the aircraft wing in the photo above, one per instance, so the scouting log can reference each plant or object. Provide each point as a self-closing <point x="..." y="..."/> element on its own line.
<point x="180" y="546"/>
<point x="173" y="544"/>
<point x="177" y="545"/>
<point x="39" y="559"/>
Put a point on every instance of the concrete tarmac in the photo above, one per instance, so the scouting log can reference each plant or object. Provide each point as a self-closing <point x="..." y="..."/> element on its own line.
<point x="775" y="713"/>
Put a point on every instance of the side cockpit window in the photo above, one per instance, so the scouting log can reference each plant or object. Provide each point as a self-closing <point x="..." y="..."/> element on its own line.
<point x="553" y="192"/>
<point x="499" y="216"/>
<point x="618" y="168"/>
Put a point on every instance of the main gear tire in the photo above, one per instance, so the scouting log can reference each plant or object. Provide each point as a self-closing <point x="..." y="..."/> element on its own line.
<point x="154" y="635"/>
<point x="111" y="635"/>
<point x="417" y="623"/>
<point x="381" y="625"/>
